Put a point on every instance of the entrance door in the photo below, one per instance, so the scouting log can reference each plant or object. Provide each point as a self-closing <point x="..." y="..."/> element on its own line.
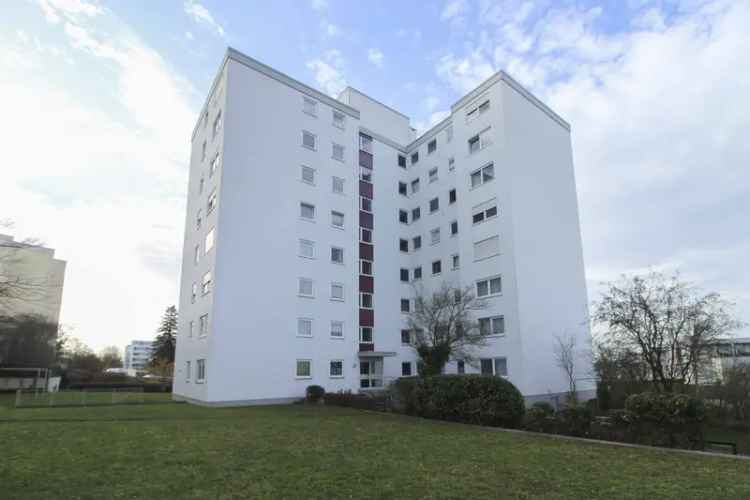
<point x="371" y="373"/>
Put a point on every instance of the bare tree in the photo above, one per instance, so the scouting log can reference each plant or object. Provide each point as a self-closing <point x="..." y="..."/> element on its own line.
<point x="14" y="287"/>
<point x="111" y="357"/>
<point x="668" y="322"/>
<point x="444" y="328"/>
<point x="565" y="358"/>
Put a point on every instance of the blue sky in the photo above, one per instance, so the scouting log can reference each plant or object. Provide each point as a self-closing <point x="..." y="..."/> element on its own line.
<point x="101" y="98"/>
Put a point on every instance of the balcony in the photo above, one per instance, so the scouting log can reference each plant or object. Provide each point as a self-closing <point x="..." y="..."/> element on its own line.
<point x="366" y="284"/>
<point x="366" y="252"/>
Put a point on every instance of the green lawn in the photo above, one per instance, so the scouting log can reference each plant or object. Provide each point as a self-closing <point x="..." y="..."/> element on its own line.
<point x="182" y="451"/>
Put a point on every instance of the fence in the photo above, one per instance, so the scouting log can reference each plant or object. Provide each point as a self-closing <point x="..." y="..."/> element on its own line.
<point x="38" y="399"/>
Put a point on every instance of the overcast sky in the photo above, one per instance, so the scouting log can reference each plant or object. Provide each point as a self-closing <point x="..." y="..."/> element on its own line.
<point x="100" y="99"/>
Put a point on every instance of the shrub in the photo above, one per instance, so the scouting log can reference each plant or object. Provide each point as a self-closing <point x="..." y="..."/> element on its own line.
<point x="575" y="420"/>
<point x="474" y="399"/>
<point x="314" y="393"/>
<point x="544" y="408"/>
<point x="402" y="394"/>
<point x="539" y="418"/>
<point x="353" y="400"/>
<point x="667" y="419"/>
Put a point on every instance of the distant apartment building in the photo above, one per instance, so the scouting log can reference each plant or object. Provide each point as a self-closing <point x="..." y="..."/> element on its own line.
<point x="32" y="280"/>
<point x="723" y="356"/>
<point x="137" y="354"/>
<point x="312" y="220"/>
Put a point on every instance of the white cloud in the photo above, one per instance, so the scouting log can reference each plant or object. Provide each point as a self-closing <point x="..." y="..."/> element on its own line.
<point x="201" y="15"/>
<point x="432" y="119"/>
<point x="72" y="10"/>
<point x="329" y="72"/>
<point x="454" y="10"/>
<point x="376" y="57"/>
<point x="189" y="35"/>
<point x="319" y="4"/>
<point x="330" y="30"/>
<point x="464" y="73"/>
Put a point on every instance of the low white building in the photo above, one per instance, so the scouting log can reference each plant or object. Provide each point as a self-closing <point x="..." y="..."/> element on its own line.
<point x="310" y="220"/>
<point x="137" y="355"/>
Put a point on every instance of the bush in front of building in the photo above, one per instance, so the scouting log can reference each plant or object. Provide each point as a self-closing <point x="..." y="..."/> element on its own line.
<point x="314" y="393"/>
<point x="361" y="401"/>
<point x="472" y="399"/>
<point x="666" y="419"/>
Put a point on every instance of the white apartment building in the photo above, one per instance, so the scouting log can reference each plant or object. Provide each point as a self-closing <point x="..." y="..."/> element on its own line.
<point x="39" y="277"/>
<point x="137" y="354"/>
<point x="310" y="220"/>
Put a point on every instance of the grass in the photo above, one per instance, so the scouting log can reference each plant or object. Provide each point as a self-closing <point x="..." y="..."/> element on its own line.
<point x="183" y="451"/>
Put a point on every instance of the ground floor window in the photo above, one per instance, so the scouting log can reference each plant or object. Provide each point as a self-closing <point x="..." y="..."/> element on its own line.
<point x="337" y="368"/>
<point x="406" y="369"/>
<point x="304" y="368"/>
<point x="200" y="369"/>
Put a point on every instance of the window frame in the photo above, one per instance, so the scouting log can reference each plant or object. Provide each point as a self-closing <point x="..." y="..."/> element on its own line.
<point x="297" y="369"/>
<point x="339" y="324"/>
<point x="336" y="213"/>
<point x="342" y="182"/>
<point x="314" y="146"/>
<point x="303" y="204"/>
<point x="432" y="175"/>
<point x="200" y="371"/>
<point x="335" y="284"/>
<point x="310" y="322"/>
<point x="305" y="242"/>
<point x="305" y="169"/>
<point x="309" y="106"/>
<point x="300" y="280"/>
<point x="334" y="146"/>
<point x="334" y="249"/>
<point x="437" y="205"/>
<point x="439" y="263"/>
<point x="342" y="124"/>
<point x="488" y="282"/>
<point x="330" y="368"/>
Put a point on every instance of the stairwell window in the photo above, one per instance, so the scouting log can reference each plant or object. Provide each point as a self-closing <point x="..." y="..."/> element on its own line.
<point x="365" y="235"/>
<point x="187" y="371"/>
<point x="365" y="143"/>
<point x="489" y="287"/>
<point x="206" y="283"/>
<point x="305" y="287"/>
<point x="482" y="175"/>
<point x="304" y="368"/>
<point x="200" y="369"/>
<point x="193" y="293"/>
<point x="190" y="329"/>
<point x="310" y="106"/>
<point x="365" y="335"/>
<point x="365" y="300"/>
<point x="365" y="267"/>
<point x="406" y="336"/>
<point x="198" y="219"/>
<point x="309" y="140"/>
<point x="365" y="204"/>
<point x="451" y="164"/>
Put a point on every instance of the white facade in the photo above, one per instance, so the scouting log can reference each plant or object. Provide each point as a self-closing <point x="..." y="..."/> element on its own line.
<point x="40" y="276"/>
<point x="280" y="308"/>
<point x="137" y="354"/>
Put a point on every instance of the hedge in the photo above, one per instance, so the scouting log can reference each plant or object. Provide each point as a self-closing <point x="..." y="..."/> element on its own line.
<point x="473" y="399"/>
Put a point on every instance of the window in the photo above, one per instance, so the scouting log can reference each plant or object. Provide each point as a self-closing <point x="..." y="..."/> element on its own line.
<point x="489" y="286"/>
<point x="307" y="249"/>
<point x="337" y="255"/>
<point x="197" y="254"/>
<point x="456" y="261"/>
<point x="402" y="188"/>
<point x="404" y="275"/>
<point x="434" y="205"/>
<point x="337" y="329"/>
<point x="403" y="245"/>
<point x="365" y="334"/>
<point x="417" y="273"/>
<point x="198" y="219"/>
<point x="211" y="202"/>
<point x="454" y="228"/>
<point x="433" y="174"/>
<point x="449" y="133"/>
<point x="305" y="287"/>
<point x="307" y="211"/>
<point x="200" y="369"/>
<point x="415" y="186"/>
<point x="451" y="163"/>
<point x="406" y="369"/>
<point x="484" y="174"/>
<point x="402" y="161"/>
<point x="418" y="304"/>
<point x="406" y="336"/>
<point x="190" y="329"/>
<point x="437" y="267"/>
<point x="209" y="241"/>
<point x="365" y="267"/>
<point x="304" y="327"/>
<point x="337" y="291"/>
<point x="365" y="174"/>
<point x="365" y="143"/>
<point x="365" y="300"/>
<point x="200" y="186"/>
<point x="461" y="367"/>
<point x="477" y="108"/>
<point x="365" y="204"/>
<point x="308" y="175"/>
<point x="484" y="211"/>
<point x="486" y="248"/>
<point x="435" y="236"/>
<point x="206" y="283"/>
<point x="187" y="370"/>
<point x="403" y="216"/>
<point x="309" y="106"/>
<point x="492" y="326"/>
<point x="338" y="185"/>
<point x="337" y="219"/>
<point x="193" y="292"/>
<point x="337" y="152"/>
<point x="215" y="164"/>
<point x="405" y="305"/>
<point x="308" y="140"/>
<point x="431" y="146"/>
<point x="417" y="242"/>
<point x="415" y="214"/>
<point x="452" y="196"/>
<point x="338" y="119"/>
<point x="480" y="141"/>
<point x="365" y="235"/>
<point x="336" y="369"/>
<point x="414" y="157"/>
<point x="304" y="368"/>
<point x="203" y="151"/>
<point x="495" y="366"/>
<point x="217" y="124"/>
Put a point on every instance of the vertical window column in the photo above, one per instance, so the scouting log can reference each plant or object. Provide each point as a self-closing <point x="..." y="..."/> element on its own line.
<point x="366" y="247"/>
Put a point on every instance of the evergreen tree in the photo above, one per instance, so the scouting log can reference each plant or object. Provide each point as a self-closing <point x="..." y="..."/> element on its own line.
<point x="165" y="340"/>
